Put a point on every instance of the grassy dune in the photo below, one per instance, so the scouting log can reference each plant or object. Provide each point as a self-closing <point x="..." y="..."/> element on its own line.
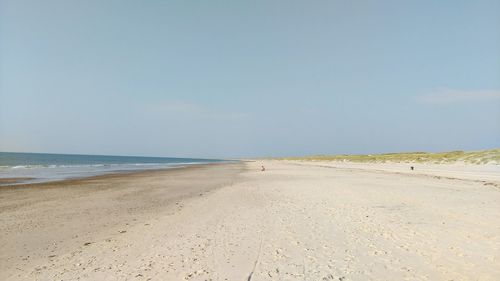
<point x="491" y="156"/>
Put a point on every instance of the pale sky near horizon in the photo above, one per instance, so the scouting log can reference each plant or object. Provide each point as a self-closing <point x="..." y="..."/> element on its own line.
<point x="222" y="79"/>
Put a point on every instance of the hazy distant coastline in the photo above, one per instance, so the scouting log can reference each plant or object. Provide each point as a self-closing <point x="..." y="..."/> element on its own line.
<point x="491" y="156"/>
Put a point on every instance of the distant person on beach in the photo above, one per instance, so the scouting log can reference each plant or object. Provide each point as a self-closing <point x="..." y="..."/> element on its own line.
<point x="263" y="169"/>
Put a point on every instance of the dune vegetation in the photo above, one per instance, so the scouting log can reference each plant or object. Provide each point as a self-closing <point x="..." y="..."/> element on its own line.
<point x="491" y="156"/>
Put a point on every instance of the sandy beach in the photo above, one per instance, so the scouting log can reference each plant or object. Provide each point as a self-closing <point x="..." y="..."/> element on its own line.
<point x="298" y="220"/>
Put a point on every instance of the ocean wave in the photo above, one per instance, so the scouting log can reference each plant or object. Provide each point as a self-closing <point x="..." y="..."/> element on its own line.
<point x="24" y="166"/>
<point x="94" y="165"/>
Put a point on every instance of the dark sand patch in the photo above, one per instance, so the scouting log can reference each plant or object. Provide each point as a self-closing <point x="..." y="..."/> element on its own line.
<point x="13" y="180"/>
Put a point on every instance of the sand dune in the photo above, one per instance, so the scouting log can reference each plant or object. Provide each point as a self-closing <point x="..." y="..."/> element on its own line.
<point x="295" y="221"/>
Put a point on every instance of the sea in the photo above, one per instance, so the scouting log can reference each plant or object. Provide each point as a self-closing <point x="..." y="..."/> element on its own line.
<point x="43" y="167"/>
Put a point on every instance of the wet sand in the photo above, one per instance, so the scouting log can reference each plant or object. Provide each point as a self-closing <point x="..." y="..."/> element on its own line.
<point x="295" y="221"/>
<point x="7" y="181"/>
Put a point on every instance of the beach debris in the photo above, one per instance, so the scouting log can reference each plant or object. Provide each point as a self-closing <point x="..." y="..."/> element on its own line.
<point x="412" y="168"/>
<point x="329" y="277"/>
<point x="87" y="243"/>
<point x="263" y="168"/>
<point x="123" y="231"/>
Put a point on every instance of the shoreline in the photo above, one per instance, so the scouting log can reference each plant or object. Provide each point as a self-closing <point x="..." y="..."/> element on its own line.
<point x="13" y="181"/>
<point x="21" y="181"/>
<point x="42" y="221"/>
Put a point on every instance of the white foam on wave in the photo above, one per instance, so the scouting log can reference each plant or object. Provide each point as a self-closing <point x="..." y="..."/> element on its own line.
<point x="20" y="167"/>
<point x="53" y="166"/>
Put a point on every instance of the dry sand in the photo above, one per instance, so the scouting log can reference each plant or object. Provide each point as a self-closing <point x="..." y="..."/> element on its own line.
<point x="295" y="221"/>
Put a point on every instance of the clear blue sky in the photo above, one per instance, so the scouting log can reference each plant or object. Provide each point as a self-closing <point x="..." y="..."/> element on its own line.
<point x="249" y="78"/>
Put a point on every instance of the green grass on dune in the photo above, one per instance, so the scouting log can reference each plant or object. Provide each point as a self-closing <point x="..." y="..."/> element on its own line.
<point x="474" y="157"/>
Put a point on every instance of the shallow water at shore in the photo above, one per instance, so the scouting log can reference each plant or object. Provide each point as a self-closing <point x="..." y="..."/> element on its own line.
<point x="41" y="167"/>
